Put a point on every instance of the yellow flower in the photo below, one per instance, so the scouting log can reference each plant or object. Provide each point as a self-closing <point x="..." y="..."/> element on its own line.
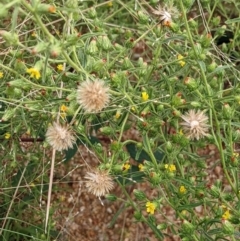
<point x="126" y="166"/>
<point x="63" y="108"/>
<point x="117" y="115"/>
<point x="226" y="215"/>
<point x="60" y="67"/>
<point x="182" y="190"/>
<point x="1" y="75"/>
<point x="145" y="96"/>
<point x="170" y="168"/>
<point x="7" y="135"/>
<point x="141" y="167"/>
<point x="181" y="62"/>
<point x="34" y="73"/>
<point x="150" y="207"/>
<point x="110" y="4"/>
<point x="34" y="34"/>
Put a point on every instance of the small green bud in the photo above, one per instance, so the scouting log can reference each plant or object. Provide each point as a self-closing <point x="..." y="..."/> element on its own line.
<point x="211" y="67"/>
<point x="214" y="82"/>
<point x="214" y="191"/>
<point x="137" y="215"/>
<point x="193" y="23"/>
<point x="200" y="193"/>
<point x="169" y="146"/>
<point x="140" y="195"/>
<point x="9" y="113"/>
<point x="104" y="42"/>
<point x="228" y="228"/>
<point x="40" y="47"/>
<point x="195" y="104"/>
<point x="216" y="21"/>
<point x="162" y="226"/>
<point x="111" y="197"/>
<point x="191" y="83"/>
<point x="127" y="64"/>
<point x="55" y="50"/>
<point x="92" y="47"/>
<point x="45" y="8"/>
<point x="187" y="227"/>
<point x="143" y="18"/>
<point x="155" y="178"/>
<point x="106" y="130"/>
<point x="227" y="111"/>
<point x="92" y="12"/>
<point x="10" y="38"/>
<point x="118" y="47"/>
<point x="174" y="27"/>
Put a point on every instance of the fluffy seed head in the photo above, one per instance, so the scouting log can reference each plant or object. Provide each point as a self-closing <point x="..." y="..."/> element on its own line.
<point x="99" y="182"/>
<point x="195" y="124"/>
<point x="165" y="13"/>
<point x="93" y="96"/>
<point x="60" y="137"/>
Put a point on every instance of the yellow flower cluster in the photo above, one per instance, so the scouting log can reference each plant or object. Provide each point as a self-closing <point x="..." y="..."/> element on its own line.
<point x="181" y="62"/>
<point x="150" y="207"/>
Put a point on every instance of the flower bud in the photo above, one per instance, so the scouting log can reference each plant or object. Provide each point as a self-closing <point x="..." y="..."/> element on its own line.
<point x="155" y="178"/>
<point x="92" y="47"/>
<point x="216" y="21"/>
<point x="40" y="47"/>
<point x="143" y="18"/>
<point x="106" y="130"/>
<point x="228" y="228"/>
<point x="92" y="12"/>
<point x="127" y="64"/>
<point x="140" y="195"/>
<point x="206" y="40"/>
<point x="227" y="111"/>
<point x="55" y="50"/>
<point x="10" y="38"/>
<point x="191" y="83"/>
<point x="45" y="8"/>
<point x="104" y="42"/>
<point x="211" y="67"/>
<point x="195" y="104"/>
<point x="137" y="215"/>
<point x="162" y="226"/>
<point x="187" y="227"/>
<point x="193" y="23"/>
<point x="8" y="114"/>
<point x="169" y="146"/>
<point x="214" y="191"/>
<point x="174" y="27"/>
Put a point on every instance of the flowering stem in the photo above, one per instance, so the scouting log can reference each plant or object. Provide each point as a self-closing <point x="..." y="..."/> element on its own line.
<point x="218" y="130"/>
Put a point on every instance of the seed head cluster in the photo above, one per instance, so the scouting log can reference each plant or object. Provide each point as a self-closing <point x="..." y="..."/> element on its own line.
<point x="93" y="96"/>
<point x="60" y="137"/>
<point x="195" y="124"/>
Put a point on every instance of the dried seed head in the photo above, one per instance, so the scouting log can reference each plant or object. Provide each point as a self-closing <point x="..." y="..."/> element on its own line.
<point x="93" y="96"/>
<point x="60" y="137"/>
<point x="99" y="182"/>
<point x="195" y="124"/>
